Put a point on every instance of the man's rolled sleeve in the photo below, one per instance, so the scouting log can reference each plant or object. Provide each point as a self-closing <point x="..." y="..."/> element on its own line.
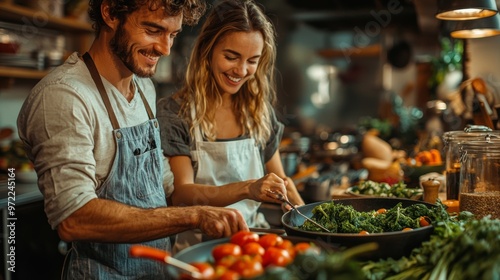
<point x="57" y="128"/>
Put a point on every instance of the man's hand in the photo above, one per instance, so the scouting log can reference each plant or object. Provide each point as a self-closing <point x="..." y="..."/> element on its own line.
<point x="218" y="222"/>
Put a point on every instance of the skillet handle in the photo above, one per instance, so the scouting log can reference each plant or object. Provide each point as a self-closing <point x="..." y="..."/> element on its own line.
<point x="277" y="231"/>
<point x="140" y="251"/>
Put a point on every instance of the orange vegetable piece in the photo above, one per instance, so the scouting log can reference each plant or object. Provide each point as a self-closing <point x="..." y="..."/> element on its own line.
<point x="453" y="205"/>
<point x="436" y="156"/>
<point x="425" y="157"/>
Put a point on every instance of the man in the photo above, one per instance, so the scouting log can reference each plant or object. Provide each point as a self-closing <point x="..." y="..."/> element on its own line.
<point x="90" y="131"/>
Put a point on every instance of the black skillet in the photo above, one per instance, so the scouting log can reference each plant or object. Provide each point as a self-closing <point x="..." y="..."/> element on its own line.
<point x="391" y="244"/>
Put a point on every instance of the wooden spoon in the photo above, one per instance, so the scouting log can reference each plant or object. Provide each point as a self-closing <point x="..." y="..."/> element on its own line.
<point x="141" y="251"/>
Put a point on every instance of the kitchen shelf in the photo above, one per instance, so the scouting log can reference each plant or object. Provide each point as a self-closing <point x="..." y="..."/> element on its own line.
<point x="77" y="32"/>
<point x="371" y="50"/>
<point x="22" y="73"/>
<point x="25" y="15"/>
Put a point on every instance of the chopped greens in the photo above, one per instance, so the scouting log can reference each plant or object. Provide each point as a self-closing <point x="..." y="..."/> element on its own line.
<point x="399" y="190"/>
<point x="461" y="248"/>
<point x="340" y="218"/>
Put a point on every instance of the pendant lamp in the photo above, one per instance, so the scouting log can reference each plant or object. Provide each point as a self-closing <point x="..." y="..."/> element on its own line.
<point x="465" y="9"/>
<point x="478" y="28"/>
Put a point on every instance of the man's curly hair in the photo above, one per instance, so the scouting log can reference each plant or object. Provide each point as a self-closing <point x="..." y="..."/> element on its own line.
<point x="192" y="10"/>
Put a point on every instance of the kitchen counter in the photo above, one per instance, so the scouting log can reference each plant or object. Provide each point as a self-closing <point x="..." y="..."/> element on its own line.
<point x="24" y="193"/>
<point x="36" y="244"/>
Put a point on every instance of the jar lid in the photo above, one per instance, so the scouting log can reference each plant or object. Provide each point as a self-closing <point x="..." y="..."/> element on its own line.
<point x="460" y="136"/>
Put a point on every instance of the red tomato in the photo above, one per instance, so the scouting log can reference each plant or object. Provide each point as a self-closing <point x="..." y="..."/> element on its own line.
<point x="225" y="249"/>
<point x="364" y="232"/>
<point x="424" y="221"/>
<point x="242" y="237"/>
<point x="407" y="229"/>
<point x="270" y="240"/>
<point x="206" y="269"/>
<point x="381" y="211"/>
<point x="276" y="256"/>
<point x="229" y="275"/>
<point x="226" y="261"/>
<point x="225" y="273"/>
<point x="247" y="267"/>
<point x="253" y="248"/>
<point x="302" y="247"/>
<point x="287" y="245"/>
<point x="257" y="258"/>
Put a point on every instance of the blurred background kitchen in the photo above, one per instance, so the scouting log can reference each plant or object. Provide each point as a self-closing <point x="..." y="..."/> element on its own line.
<point x="345" y="68"/>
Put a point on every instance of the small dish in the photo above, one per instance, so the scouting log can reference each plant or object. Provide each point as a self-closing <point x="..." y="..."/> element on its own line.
<point x="373" y="189"/>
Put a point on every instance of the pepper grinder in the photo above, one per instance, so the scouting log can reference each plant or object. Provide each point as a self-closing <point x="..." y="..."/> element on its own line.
<point x="431" y="190"/>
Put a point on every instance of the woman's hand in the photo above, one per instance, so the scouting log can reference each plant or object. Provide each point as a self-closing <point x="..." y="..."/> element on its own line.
<point x="261" y="189"/>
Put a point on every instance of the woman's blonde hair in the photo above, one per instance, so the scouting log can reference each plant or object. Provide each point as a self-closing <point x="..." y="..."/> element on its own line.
<point x="253" y="103"/>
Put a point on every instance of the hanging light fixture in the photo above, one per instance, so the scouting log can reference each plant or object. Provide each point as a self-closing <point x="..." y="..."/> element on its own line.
<point x="479" y="28"/>
<point x="465" y="9"/>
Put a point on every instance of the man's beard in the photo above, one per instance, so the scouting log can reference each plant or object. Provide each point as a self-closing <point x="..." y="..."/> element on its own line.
<point x="121" y="47"/>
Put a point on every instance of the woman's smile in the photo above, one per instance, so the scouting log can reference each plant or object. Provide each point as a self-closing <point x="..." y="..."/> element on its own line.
<point x="235" y="59"/>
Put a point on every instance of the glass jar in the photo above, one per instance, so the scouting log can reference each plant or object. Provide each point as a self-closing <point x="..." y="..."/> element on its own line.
<point x="479" y="177"/>
<point x="452" y="140"/>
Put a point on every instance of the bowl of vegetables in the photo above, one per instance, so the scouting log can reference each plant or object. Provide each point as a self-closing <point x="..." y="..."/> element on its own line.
<point x="397" y="225"/>
<point x="249" y="255"/>
<point x="382" y="189"/>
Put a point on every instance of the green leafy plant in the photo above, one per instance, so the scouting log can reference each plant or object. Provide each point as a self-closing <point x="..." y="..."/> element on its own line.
<point x="449" y="59"/>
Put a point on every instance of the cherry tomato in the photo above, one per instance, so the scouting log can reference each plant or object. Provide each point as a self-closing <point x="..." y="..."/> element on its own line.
<point x="302" y="247"/>
<point x="287" y="245"/>
<point x="226" y="261"/>
<point x="206" y="269"/>
<point x="424" y="221"/>
<point x="364" y="232"/>
<point x="242" y="237"/>
<point x="247" y="267"/>
<point x="225" y="249"/>
<point x="407" y="229"/>
<point x="229" y="275"/>
<point x="253" y="248"/>
<point x="381" y="211"/>
<point x="276" y="256"/>
<point x="225" y="273"/>
<point x="270" y="240"/>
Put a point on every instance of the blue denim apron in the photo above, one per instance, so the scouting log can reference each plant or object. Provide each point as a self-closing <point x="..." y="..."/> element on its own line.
<point x="135" y="179"/>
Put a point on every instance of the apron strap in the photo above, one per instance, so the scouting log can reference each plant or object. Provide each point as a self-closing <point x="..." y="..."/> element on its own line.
<point x="98" y="82"/>
<point x="146" y="104"/>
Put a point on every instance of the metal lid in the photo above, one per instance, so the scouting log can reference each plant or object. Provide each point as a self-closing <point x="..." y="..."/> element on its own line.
<point x="470" y="133"/>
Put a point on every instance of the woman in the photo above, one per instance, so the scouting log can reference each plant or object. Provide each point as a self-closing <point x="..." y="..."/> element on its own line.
<point x="220" y="129"/>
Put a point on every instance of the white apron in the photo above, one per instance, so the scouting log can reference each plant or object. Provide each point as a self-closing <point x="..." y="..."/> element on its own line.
<point x="221" y="163"/>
